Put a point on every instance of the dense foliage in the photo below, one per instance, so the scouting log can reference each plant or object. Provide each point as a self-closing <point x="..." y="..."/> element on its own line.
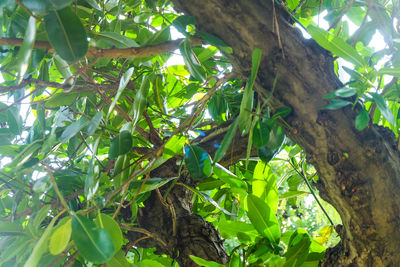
<point x="95" y="96"/>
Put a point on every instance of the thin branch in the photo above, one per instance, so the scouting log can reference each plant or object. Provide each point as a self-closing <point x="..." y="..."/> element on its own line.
<point x="143" y="231"/>
<point x="28" y="11"/>
<point x="132" y="52"/>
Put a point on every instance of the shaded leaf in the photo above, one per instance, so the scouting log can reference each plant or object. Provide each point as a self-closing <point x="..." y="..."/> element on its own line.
<point x="191" y="61"/>
<point x="94" y="123"/>
<point x="335" y="104"/>
<point x="73" y="129"/>
<point x="197" y="161"/>
<point x="113" y="229"/>
<point x="341" y="92"/>
<point x="43" y="6"/>
<point x="66" y="34"/>
<point x="362" y="120"/>
<point x="122" y="84"/>
<point x="384" y="108"/>
<point x="120" y="144"/>
<point x="94" y="243"/>
<point x="226" y="141"/>
<point x="150" y="185"/>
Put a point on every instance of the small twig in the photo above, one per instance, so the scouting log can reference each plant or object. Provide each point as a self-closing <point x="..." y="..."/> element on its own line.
<point x="302" y="175"/>
<point x="144" y="231"/>
<point x="153" y="132"/>
<point x="349" y="5"/>
<point x="171" y="209"/>
<point x="28" y="11"/>
<point x="53" y="182"/>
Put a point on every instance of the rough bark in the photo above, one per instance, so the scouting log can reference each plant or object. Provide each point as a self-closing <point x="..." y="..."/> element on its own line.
<point x="172" y="221"/>
<point x="358" y="171"/>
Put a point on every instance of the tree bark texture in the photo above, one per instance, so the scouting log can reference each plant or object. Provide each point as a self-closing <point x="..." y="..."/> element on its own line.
<point x="358" y="171"/>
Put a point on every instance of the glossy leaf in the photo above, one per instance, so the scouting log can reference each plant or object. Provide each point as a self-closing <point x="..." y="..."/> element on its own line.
<point x="73" y="129"/>
<point x="191" y="61"/>
<point x="94" y="123"/>
<point x="94" y="243"/>
<point x="336" y="45"/>
<point x="226" y="141"/>
<point x="66" y="34"/>
<point x="205" y="263"/>
<point x="262" y="218"/>
<point x="140" y="100"/>
<point x="275" y="142"/>
<point x="383" y="107"/>
<point x="150" y="185"/>
<point x="213" y="40"/>
<point x="261" y="131"/>
<point x="362" y="120"/>
<point x="120" y="144"/>
<point x="41" y="245"/>
<point x="336" y="104"/>
<point x="113" y="229"/>
<point x="297" y="252"/>
<point x="246" y="106"/>
<point x="60" y="238"/>
<point x="25" y="52"/>
<point x="197" y="161"/>
<point x="44" y="6"/>
<point x="341" y="92"/>
<point x="122" y="84"/>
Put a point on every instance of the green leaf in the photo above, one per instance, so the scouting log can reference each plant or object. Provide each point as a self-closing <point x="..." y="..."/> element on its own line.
<point x="94" y="243"/>
<point x="113" y="39"/>
<point x="27" y="153"/>
<point x="264" y="185"/>
<point x="113" y="229"/>
<point x="25" y="52"/>
<point x="41" y="245"/>
<point x="246" y="106"/>
<point x="390" y="71"/>
<point x="66" y="34"/>
<point x="336" y="104"/>
<point x="362" y="120"/>
<point x="73" y="129"/>
<point x="120" y="144"/>
<point x="140" y="100"/>
<point x="119" y="260"/>
<point x="150" y="185"/>
<point x="336" y="45"/>
<point x="43" y="6"/>
<point x="282" y="112"/>
<point x="191" y="61"/>
<point x="11" y="228"/>
<point x="197" y="161"/>
<point x="159" y="95"/>
<point x="275" y="142"/>
<point x="181" y="22"/>
<point x="261" y="132"/>
<point x="262" y="218"/>
<point x="341" y="92"/>
<point x="61" y="99"/>
<point x="205" y="263"/>
<point x="291" y="194"/>
<point x="122" y="84"/>
<point x="94" y="123"/>
<point x="384" y="108"/>
<point x="60" y="238"/>
<point x="226" y="141"/>
<point x="173" y="146"/>
<point x="64" y="69"/>
<point x="215" y="41"/>
<point x="297" y="252"/>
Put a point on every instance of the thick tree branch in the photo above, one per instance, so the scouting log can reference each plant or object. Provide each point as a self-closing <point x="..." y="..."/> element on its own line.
<point x="132" y="52"/>
<point x="358" y="171"/>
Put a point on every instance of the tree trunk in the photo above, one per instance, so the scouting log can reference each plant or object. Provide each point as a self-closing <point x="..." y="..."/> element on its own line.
<point x="358" y="171"/>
